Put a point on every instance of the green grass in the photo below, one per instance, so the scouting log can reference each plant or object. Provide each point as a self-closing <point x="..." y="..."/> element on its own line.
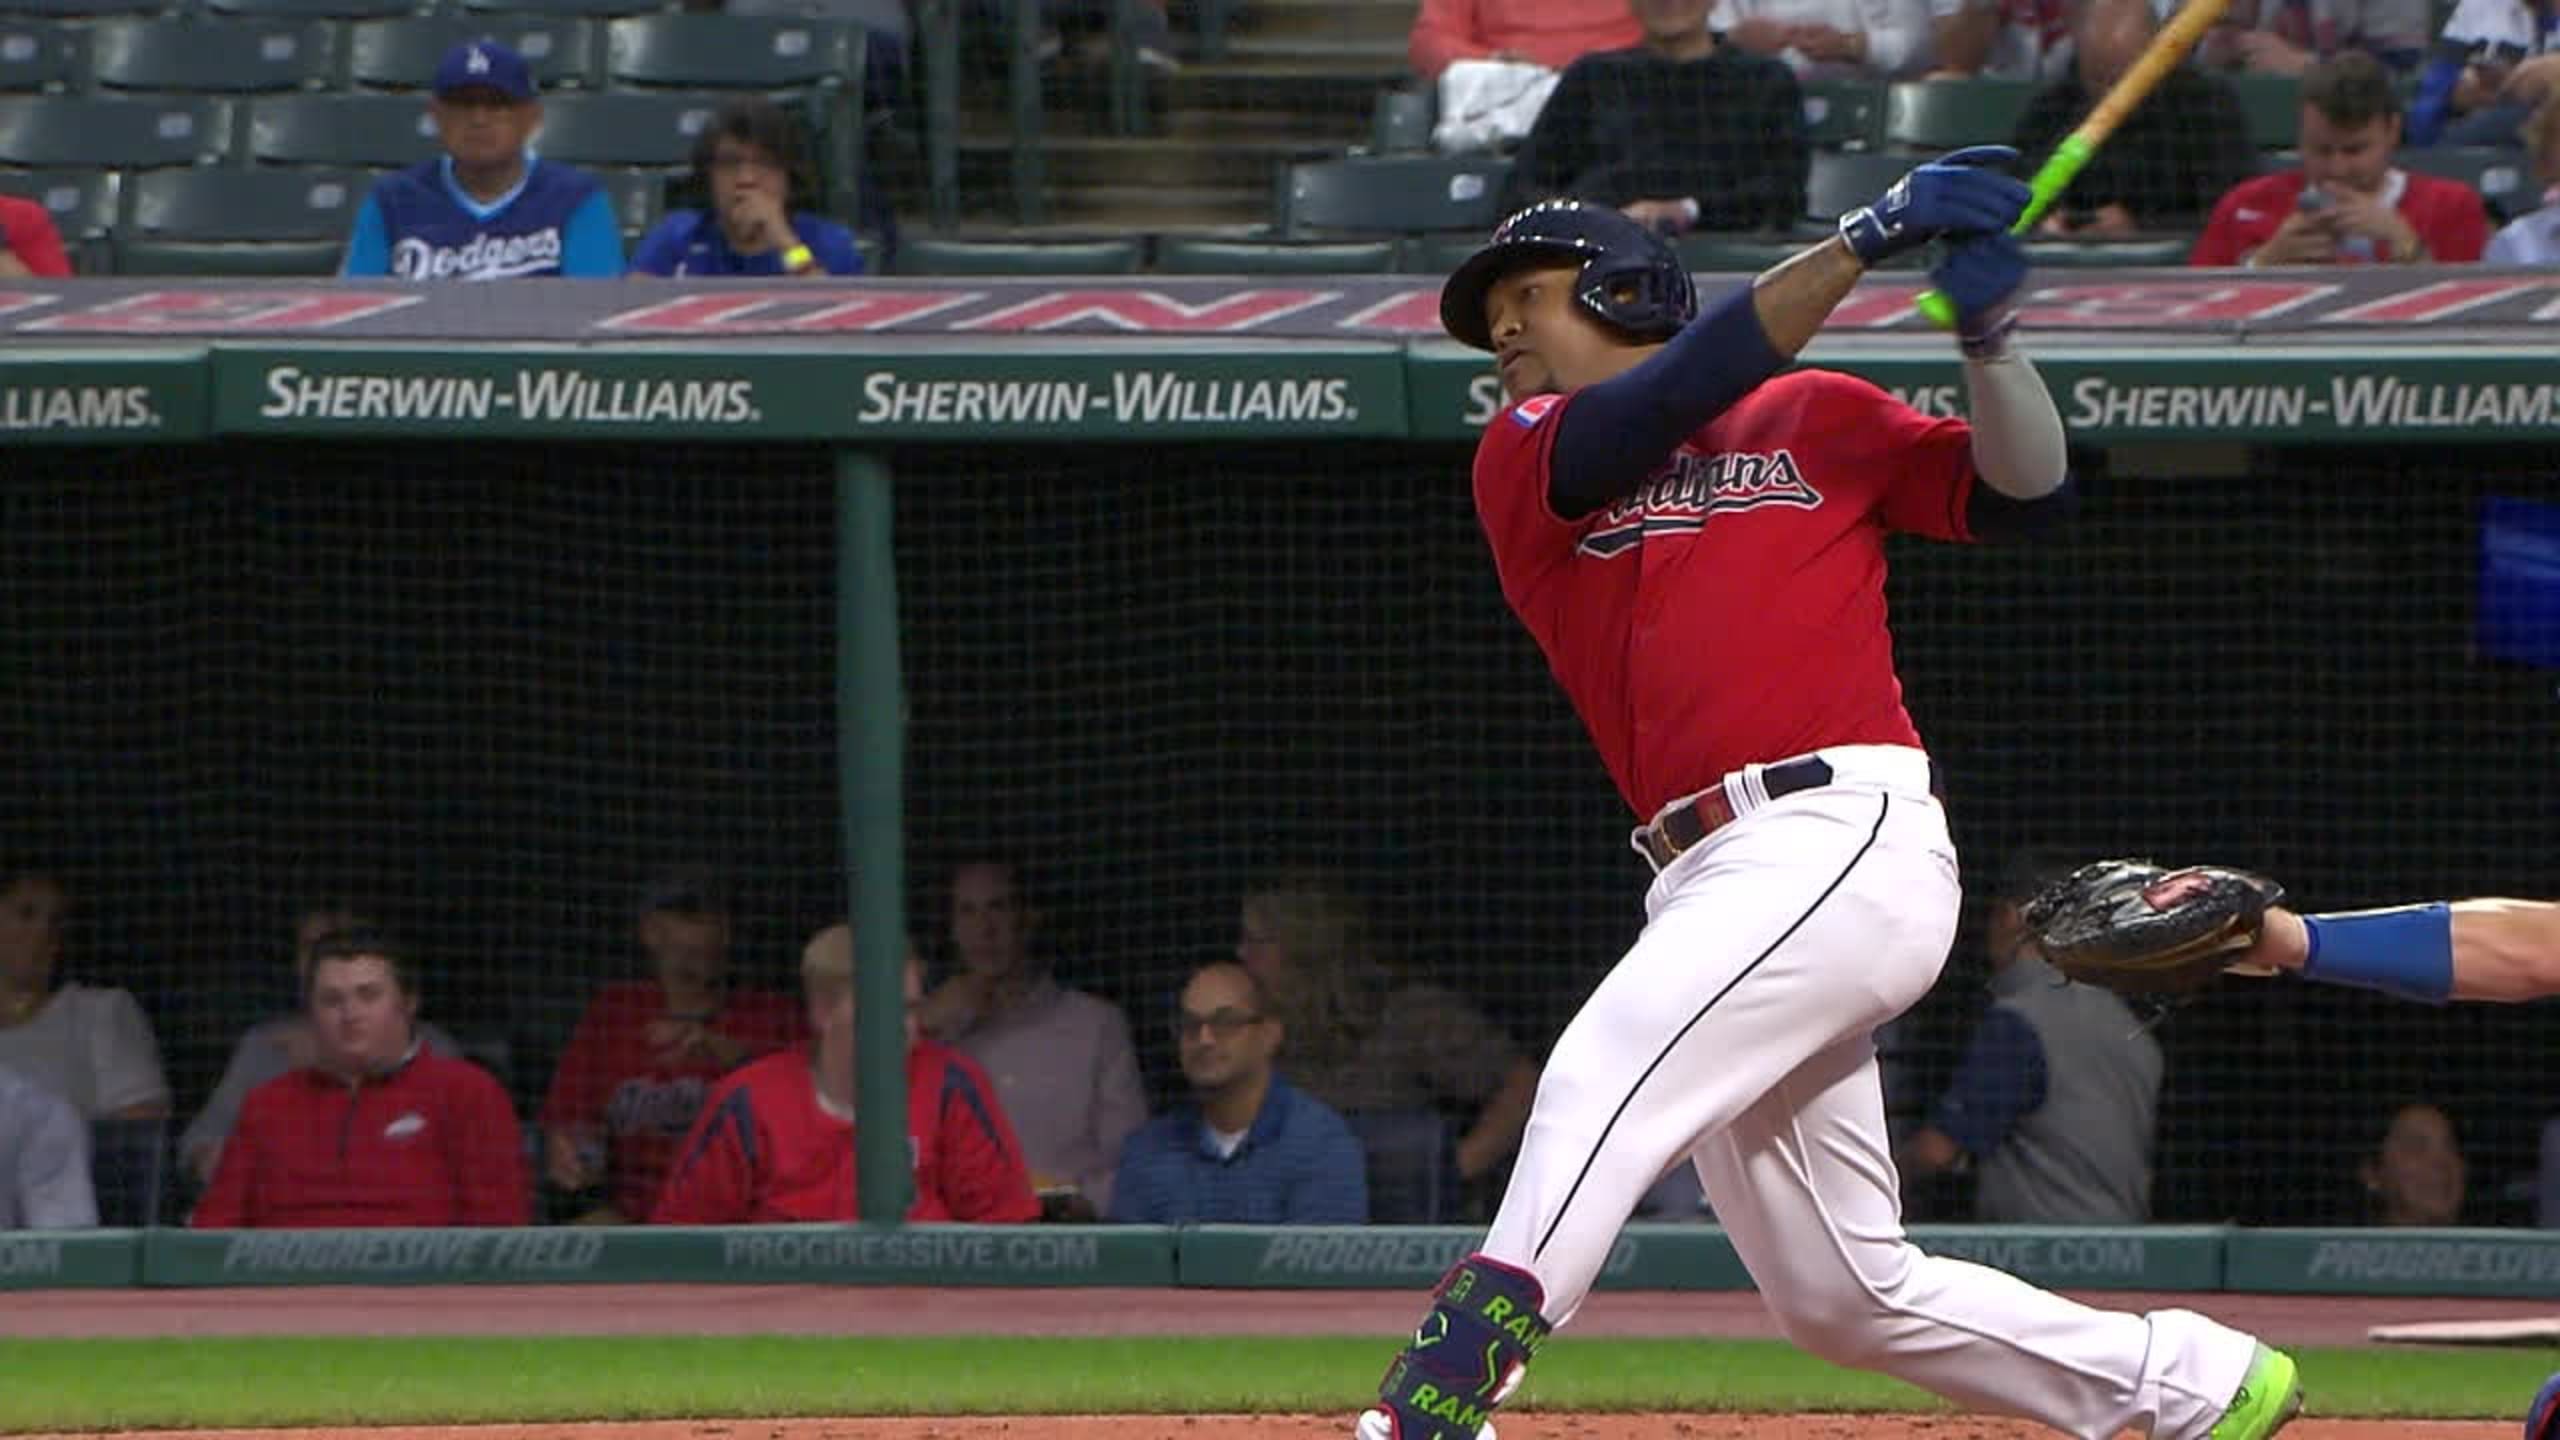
<point x="113" y="1384"/>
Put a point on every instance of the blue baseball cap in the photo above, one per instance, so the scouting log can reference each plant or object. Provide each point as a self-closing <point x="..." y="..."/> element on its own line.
<point x="484" y="65"/>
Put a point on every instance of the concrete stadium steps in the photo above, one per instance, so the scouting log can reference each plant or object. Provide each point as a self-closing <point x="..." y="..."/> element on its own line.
<point x="1299" y="78"/>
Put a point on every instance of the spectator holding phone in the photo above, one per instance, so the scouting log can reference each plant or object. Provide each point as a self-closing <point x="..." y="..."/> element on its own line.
<point x="2348" y="204"/>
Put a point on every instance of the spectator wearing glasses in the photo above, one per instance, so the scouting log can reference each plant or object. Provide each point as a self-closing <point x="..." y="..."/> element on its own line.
<point x="750" y="162"/>
<point x="1249" y="1148"/>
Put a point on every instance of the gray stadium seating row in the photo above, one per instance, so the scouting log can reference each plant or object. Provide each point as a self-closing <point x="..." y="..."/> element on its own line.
<point x="1904" y="116"/>
<point x="255" y="55"/>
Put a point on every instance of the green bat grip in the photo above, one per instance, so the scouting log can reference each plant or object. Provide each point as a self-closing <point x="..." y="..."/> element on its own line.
<point x="2051" y="179"/>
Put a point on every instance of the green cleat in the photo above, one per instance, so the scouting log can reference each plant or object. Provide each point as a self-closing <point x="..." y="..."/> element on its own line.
<point x="2269" y="1395"/>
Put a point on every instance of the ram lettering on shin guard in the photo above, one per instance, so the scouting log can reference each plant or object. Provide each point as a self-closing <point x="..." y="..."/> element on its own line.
<point x="1469" y="1354"/>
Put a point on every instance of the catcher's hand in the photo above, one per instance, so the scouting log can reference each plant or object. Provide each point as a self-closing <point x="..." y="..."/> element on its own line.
<point x="2138" y="928"/>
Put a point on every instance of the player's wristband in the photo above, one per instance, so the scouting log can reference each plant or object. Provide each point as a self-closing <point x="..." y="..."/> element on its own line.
<point x="798" y="260"/>
<point x="2406" y="951"/>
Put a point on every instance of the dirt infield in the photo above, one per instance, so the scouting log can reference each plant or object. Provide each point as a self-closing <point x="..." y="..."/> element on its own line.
<point x="1308" y="1427"/>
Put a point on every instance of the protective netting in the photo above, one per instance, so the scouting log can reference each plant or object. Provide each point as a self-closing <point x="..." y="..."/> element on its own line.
<point x="483" y="690"/>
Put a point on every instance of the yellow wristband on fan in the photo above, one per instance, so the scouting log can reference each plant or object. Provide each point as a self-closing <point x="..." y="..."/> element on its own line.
<point x="798" y="258"/>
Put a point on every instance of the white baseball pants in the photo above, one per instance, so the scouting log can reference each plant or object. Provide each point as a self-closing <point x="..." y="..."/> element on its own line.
<point x="1738" y="1032"/>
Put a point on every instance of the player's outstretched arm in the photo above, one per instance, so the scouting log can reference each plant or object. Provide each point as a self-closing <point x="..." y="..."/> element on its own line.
<point x="1618" y="430"/>
<point x="2489" y="949"/>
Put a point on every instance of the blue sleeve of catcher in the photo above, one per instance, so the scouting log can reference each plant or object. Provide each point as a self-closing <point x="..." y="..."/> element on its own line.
<point x="2406" y="951"/>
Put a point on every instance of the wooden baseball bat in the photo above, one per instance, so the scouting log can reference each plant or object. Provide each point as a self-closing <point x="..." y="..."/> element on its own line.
<point x="2166" y="52"/>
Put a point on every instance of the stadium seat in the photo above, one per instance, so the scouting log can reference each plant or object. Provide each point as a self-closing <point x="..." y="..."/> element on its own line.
<point x="2503" y="176"/>
<point x="599" y="8"/>
<point x="731" y="52"/>
<point x="81" y="9"/>
<point x="2106" y="254"/>
<point x="129" y="1171"/>
<point x="1387" y="195"/>
<point x="1412" y="1164"/>
<point x="1945" y="114"/>
<point x="2273" y="105"/>
<point x="1401" y="120"/>
<point x="924" y="255"/>
<point x="37" y="55"/>
<point x="1842" y="180"/>
<point x="639" y="198"/>
<point x="626" y="127"/>
<point x="232" y="56"/>
<point x="1439" y="254"/>
<point x="231" y="221"/>
<point x="401" y="54"/>
<point x="122" y="134"/>
<point x="1844" y="114"/>
<point x="313" y="9"/>
<point x="1184" y="255"/>
<point x="378" y="131"/>
<point x="82" y="203"/>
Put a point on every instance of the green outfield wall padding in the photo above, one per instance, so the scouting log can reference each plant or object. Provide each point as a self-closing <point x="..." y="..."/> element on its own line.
<point x="782" y="1254"/>
<point x="2157" y="1257"/>
<point x="1172" y="389"/>
<point x="81" y="1260"/>
<point x="2521" y="1263"/>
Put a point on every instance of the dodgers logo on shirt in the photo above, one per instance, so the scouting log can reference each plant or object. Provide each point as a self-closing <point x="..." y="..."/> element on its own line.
<point x="484" y="257"/>
<point x="1681" y="495"/>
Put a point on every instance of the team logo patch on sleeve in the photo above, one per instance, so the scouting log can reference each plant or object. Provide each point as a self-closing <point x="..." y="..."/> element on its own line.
<point x="1529" y="412"/>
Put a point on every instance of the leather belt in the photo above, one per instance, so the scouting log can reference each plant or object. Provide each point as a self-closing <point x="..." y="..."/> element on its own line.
<point x="1703" y="814"/>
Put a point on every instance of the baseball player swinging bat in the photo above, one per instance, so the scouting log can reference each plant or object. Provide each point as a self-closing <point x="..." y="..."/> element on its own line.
<point x="2167" y="49"/>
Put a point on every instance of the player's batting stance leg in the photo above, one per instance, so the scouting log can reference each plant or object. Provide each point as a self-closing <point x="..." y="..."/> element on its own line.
<point x="1696" y="542"/>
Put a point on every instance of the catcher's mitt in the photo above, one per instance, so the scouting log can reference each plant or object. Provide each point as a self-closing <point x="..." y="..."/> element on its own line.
<point x="2143" y="929"/>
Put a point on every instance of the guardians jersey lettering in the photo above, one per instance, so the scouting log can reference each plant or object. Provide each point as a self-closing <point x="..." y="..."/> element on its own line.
<point x="1778" y="509"/>
<point x="1680" y="497"/>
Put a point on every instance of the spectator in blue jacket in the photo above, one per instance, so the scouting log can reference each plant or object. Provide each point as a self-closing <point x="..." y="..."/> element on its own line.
<point x="489" y="208"/>
<point x="749" y="161"/>
<point x="1250" y="1149"/>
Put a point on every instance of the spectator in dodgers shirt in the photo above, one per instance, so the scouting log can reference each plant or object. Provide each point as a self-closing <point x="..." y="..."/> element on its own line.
<point x="488" y="208"/>
<point x="378" y="1130"/>
<point x="749" y="161"/>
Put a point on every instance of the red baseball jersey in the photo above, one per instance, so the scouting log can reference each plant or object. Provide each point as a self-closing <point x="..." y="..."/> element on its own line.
<point x="2447" y="214"/>
<point x="765" y="1150"/>
<point x="433" y="1143"/>
<point x="1731" y="609"/>
<point x="27" y="232"/>
<point x="611" y="1078"/>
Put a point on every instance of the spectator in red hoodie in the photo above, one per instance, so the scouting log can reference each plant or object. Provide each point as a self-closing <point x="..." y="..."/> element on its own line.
<point x="1552" y="33"/>
<point x="29" y="245"/>
<point x="378" y="1130"/>
<point x="775" y="1141"/>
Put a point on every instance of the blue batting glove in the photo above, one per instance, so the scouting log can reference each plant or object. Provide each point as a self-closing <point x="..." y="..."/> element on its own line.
<point x="1981" y="275"/>
<point x="1961" y="192"/>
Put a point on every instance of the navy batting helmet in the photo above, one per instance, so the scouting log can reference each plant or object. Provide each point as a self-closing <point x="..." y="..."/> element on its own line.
<point x="1630" y="279"/>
